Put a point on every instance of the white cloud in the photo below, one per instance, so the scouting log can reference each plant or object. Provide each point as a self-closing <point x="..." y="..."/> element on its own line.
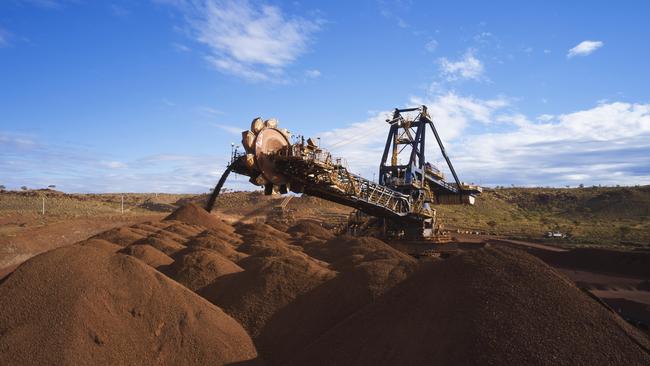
<point x="252" y="41"/>
<point x="15" y="141"/>
<point x="229" y="66"/>
<point x="576" y="177"/>
<point x="209" y="111"/>
<point x="86" y="172"/>
<point x="469" y="67"/>
<point x="608" y="144"/>
<point x="483" y="37"/>
<point x="181" y="47"/>
<point x="431" y="46"/>
<point x="584" y="48"/>
<point x="516" y="119"/>
<point x="363" y="143"/>
<point x="113" y="164"/>
<point x="233" y="130"/>
<point x="312" y="73"/>
<point x="489" y="144"/>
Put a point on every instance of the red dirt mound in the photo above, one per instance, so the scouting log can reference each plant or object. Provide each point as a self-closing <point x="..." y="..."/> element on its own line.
<point x="209" y="239"/>
<point x="79" y="305"/>
<point x="195" y="215"/>
<point x="184" y="230"/>
<point x="264" y="241"/>
<point x="151" y="226"/>
<point x="346" y="251"/>
<point x="261" y="231"/>
<point x="148" y="254"/>
<point x="278" y="225"/>
<point x="489" y="306"/>
<point x="267" y="284"/>
<point x="166" y="246"/>
<point x="169" y="236"/>
<point x="122" y="236"/>
<point x="310" y="227"/>
<point x="100" y="244"/>
<point x="196" y="268"/>
<point x="268" y="248"/>
<point x="363" y="278"/>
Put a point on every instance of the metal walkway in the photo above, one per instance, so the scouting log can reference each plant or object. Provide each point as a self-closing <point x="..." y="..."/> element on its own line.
<point x="319" y="177"/>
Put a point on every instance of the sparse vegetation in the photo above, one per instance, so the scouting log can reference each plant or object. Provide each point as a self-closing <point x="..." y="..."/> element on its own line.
<point x="492" y="224"/>
<point x="589" y="215"/>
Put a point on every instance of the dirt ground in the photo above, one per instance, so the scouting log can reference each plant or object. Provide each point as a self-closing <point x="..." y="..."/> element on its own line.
<point x="24" y="236"/>
<point x="25" y="231"/>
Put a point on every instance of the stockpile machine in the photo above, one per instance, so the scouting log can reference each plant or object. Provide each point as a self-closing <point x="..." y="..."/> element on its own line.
<point x="403" y="199"/>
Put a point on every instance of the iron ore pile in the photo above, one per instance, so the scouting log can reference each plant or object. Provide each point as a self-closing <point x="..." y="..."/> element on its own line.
<point x="192" y="289"/>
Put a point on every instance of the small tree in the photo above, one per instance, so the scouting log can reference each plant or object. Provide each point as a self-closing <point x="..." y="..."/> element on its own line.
<point x="2" y="188"/>
<point x="51" y="186"/>
<point x="24" y="188"/>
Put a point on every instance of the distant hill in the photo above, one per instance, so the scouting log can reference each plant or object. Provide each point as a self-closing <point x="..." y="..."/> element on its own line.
<point x="595" y="214"/>
<point x="595" y="202"/>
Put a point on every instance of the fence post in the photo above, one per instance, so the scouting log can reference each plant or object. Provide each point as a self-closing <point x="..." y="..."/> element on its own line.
<point x="43" y="210"/>
<point x="122" y="205"/>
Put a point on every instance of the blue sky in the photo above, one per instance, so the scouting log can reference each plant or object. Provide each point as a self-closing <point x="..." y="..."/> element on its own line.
<point x="104" y="96"/>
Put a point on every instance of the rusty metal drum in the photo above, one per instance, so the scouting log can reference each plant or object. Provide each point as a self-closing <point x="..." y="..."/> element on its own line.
<point x="268" y="142"/>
